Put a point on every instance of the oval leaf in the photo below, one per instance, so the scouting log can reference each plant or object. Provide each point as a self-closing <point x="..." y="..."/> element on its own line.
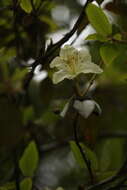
<point x="28" y="162"/>
<point x="26" y="5"/>
<point x="91" y="156"/>
<point x="109" y="53"/>
<point x="111" y="155"/>
<point x="77" y="154"/>
<point x="26" y="184"/>
<point x="98" y="20"/>
<point x="96" y="37"/>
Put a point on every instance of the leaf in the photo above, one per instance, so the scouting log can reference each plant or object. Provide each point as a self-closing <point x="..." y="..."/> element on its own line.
<point x="109" y="53"/>
<point x="8" y="186"/>
<point x="59" y="188"/>
<point x="104" y="175"/>
<point x="98" y="20"/>
<point x="117" y="36"/>
<point x="52" y="24"/>
<point x="26" y="5"/>
<point x="111" y="155"/>
<point x="29" y="161"/>
<point x="7" y="54"/>
<point x="77" y="154"/>
<point x="19" y="74"/>
<point x="26" y="184"/>
<point x="3" y="188"/>
<point x="96" y="36"/>
<point x="91" y="156"/>
<point x="28" y="114"/>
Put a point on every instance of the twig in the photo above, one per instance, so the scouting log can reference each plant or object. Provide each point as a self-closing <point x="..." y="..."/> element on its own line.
<point x="99" y="185"/>
<point x="87" y="162"/>
<point x="90" y="82"/>
<point x="33" y="6"/>
<point x="43" y="59"/>
<point x="117" y="186"/>
<point x="120" y="174"/>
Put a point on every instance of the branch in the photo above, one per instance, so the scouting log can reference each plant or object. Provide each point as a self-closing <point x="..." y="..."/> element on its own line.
<point x="57" y="45"/>
<point x="87" y="162"/>
<point x="121" y="174"/>
<point x="118" y="186"/>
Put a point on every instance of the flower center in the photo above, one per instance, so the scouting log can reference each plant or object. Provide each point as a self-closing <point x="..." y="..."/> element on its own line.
<point x="72" y="64"/>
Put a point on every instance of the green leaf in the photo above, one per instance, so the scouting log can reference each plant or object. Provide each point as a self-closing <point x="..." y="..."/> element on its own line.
<point x="98" y="20"/>
<point x="59" y="188"/>
<point x="117" y="36"/>
<point x="26" y="5"/>
<point x="48" y="21"/>
<point x="109" y="53"/>
<point x="77" y="154"/>
<point x="8" y="186"/>
<point x="96" y="36"/>
<point x="19" y="74"/>
<point x="26" y="184"/>
<point x="28" y="114"/>
<point x="3" y="188"/>
<point x="111" y="155"/>
<point x="29" y="161"/>
<point x="104" y="175"/>
<point x="91" y="156"/>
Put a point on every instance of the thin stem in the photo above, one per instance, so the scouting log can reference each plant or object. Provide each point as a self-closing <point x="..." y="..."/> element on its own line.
<point x="119" y="175"/>
<point x="16" y="30"/>
<point x="87" y="162"/>
<point x="90" y="82"/>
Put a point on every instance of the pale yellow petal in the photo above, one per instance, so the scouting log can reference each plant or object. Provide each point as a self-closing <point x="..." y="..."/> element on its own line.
<point x="56" y="62"/>
<point x="59" y="76"/>
<point x="89" y="68"/>
<point x="67" y="51"/>
<point x="84" y="56"/>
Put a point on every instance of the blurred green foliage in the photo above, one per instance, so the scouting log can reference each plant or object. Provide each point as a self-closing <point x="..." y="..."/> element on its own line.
<point x="31" y="128"/>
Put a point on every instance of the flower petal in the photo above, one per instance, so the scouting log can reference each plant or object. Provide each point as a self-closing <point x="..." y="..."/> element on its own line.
<point x="67" y="51"/>
<point x="65" y="109"/>
<point x="85" y="108"/>
<point x="97" y="108"/>
<point x="84" y="56"/>
<point x="59" y="76"/>
<point x="89" y="68"/>
<point x="57" y="62"/>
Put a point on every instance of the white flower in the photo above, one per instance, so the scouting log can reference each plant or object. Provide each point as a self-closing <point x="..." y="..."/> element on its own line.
<point x="71" y="63"/>
<point x="87" y="107"/>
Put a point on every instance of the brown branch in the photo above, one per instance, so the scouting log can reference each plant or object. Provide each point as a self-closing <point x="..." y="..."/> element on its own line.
<point x="43" y="59"/>
<point x="120" y="175"/>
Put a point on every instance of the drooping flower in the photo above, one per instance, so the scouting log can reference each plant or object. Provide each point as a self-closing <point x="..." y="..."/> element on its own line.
<point x="87" y="107"/>
<point x="72" y="62"/>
